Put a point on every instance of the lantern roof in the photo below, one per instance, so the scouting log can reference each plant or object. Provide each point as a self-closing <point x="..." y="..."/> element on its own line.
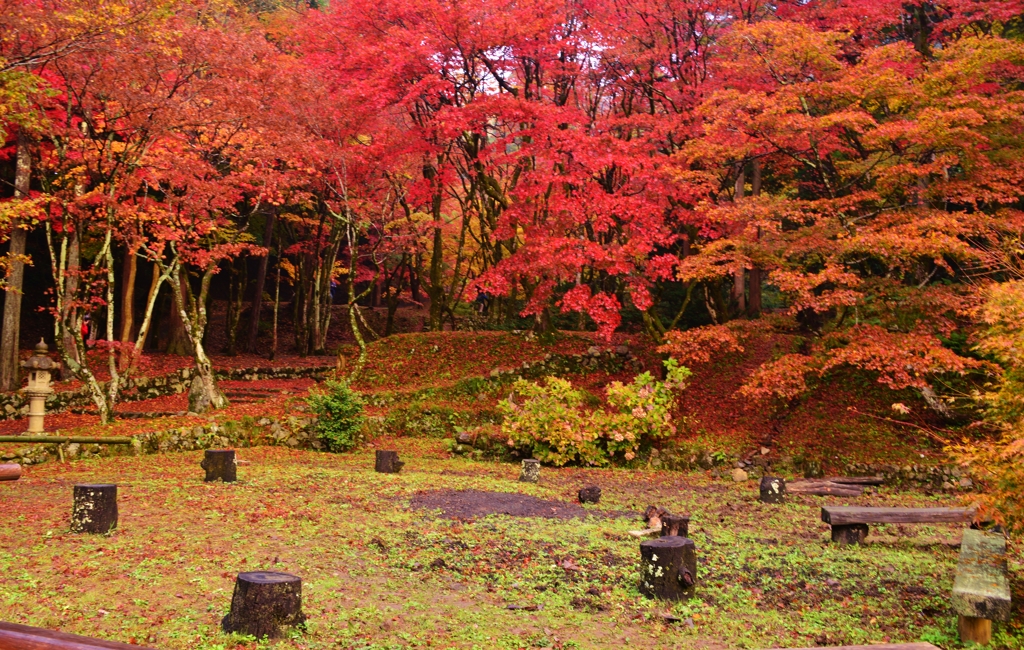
<point x="40" y="360"/>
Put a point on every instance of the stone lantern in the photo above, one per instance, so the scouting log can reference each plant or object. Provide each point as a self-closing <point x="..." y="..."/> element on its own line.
<point x="39" y="367"/>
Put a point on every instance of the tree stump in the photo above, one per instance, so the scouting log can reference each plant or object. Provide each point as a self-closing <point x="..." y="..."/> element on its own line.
<point x="530" y="471"/>
<point x="590" y="494"/>
<point x="849" y="534"/>
<point x="387" y="462"/>
<point x="220" y="465"/>
<point x="263" y="602"/>
<point x="675" y="525"/>
<point x="94" y="509"/>
<point x="10" y="472"/>
<point x="773" y="489"/>
<point x="668" y="568"/>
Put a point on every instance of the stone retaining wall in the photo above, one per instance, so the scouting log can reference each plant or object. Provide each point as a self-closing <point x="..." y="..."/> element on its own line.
<point x="293" y="431"/>
<point x="15" y="405"/>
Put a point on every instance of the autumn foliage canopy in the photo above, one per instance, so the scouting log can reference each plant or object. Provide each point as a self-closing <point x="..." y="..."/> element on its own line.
<point x="849" y="171"/>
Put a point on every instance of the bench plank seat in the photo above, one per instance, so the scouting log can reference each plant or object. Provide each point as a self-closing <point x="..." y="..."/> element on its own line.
<point x="845" y="515"/>
<point x="23" y="637"/>
<point x="881" y="646"/>
<point x="980" y="589"/>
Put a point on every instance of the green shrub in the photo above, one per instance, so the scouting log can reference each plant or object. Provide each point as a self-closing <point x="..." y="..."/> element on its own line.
<point x="339" y="410"/>
<point x="551" y="421"/>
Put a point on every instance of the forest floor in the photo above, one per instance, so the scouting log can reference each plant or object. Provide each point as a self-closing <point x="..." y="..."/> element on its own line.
<point x="382" y="567"/>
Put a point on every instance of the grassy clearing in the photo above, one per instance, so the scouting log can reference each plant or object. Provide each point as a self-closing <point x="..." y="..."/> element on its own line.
<point x="768" y="577"/>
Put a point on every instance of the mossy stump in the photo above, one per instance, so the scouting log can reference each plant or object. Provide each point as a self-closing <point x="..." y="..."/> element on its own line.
<point x="668" y="568"/>
<point x="263" y="603"/>
<point x="387" y="462"/>
<point x="773" y="489"/>
<point x="94" y="509"/>
<point x="529" y="471"/>
<point x="220" y="465"/>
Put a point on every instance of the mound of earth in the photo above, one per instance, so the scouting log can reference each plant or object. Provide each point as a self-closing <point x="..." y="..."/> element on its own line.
<point x="467" y="504"/>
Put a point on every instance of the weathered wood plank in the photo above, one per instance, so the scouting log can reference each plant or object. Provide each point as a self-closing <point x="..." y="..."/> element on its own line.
<point x="843" y="515"/>
<point x="857" y="480"/>
<point x="881" y="646"/>
<point x="980" y="589"/>
<point x="824" y="488"/>
<point x="23" y="637"/>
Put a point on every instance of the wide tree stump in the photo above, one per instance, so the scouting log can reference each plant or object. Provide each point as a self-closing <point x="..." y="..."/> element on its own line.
<point x="589" y="494"/>
<point x="773" y="489"/>
<point x="530" y="471"/>
<point x="94" y="509"/>
<point x="675" y="525"/>
<point x="387" y="462"/>
<point x="263" y="603"/>
<point x="10" y="472"/>
<point x="668" y="568"/>
<point x="220" y="465"/>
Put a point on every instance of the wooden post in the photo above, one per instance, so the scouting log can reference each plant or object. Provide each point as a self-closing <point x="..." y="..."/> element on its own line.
<point x="589" y="494"/>
<point x="263" y="602"/>
<point x="849" y="534"/>
<point x="971" y="628"/>
<point x="10" y="472"/>
<point x="675" y="525"/>
<point x="773" y="489"/>
<point x="94" y="509"/>
<point x="387" y="462"/>
<point x="220" y="465"/>
<point x="668" y="568"/>
<point x="530" y="471"/>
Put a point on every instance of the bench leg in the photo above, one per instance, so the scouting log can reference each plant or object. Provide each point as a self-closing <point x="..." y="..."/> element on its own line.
<point x="849" y="534"/>
<point x="978" y="630"/>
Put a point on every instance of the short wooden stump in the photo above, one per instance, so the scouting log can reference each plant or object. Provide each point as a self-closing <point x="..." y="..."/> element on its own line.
<point x="529" y="471"/>
<point x="773" y="489"/>
<point x="589" y="494"/>
<point x="387" y="462"/>
<point x="220" y="465"/>
<point x="668" y="568"/>
<point x="263" y="603"/>
<point x="675" y="525"/>
<point x="94" y="509"/>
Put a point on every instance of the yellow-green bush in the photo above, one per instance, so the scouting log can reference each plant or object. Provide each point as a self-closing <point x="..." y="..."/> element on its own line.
<point x="551" y="419"/>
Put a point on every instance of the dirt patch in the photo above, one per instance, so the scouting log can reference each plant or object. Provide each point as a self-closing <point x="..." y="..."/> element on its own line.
<point x="467" y="504"/>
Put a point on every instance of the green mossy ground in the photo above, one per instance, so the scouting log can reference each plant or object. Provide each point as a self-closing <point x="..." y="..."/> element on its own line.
<point x="768" y="576"/>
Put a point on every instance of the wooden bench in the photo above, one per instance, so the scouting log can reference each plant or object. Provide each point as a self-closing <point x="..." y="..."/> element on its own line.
<point x="880" y="646"/>
<point x="850" y="523"/>
<point x="981" y="592"/>
<point x="23" y="637"/>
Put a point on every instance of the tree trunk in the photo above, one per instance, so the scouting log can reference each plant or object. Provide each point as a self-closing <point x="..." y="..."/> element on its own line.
<point x="277" y="305"/>
<point x="10" y="338"/>
<point x="178" y="342"/>
<point x="237" y="281"/>
<point x="94" y="509"/>
<point x="261" y="277"/>
<point x="220" y="465"/>
<point x="128" y="272"/>
<point x="668" y="568"/>
<point x="263" y="602"/>
<point x="387" y="462"/>
<point x="436" y="289"/>
<point x="754" y="289"/>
